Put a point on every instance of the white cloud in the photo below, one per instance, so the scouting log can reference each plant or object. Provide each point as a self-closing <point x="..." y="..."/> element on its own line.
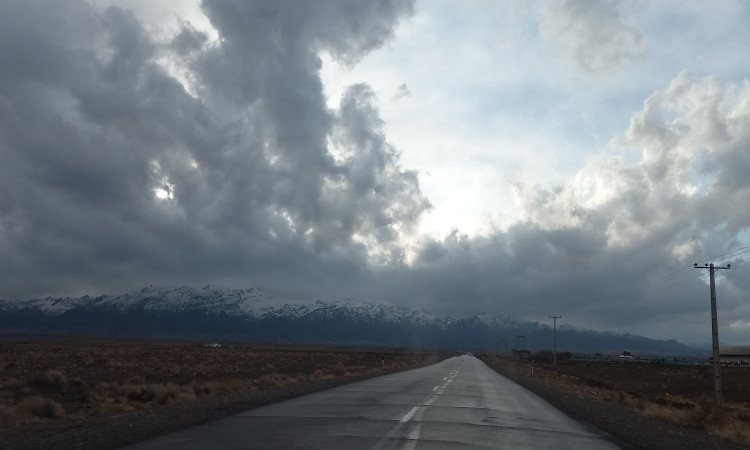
<point x="595" y="35"/>
<point x="605" y="245"/>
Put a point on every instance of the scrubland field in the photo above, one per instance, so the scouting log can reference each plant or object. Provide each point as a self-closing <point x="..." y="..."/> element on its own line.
<point x="63" y="393"/>
<point x="680" y="394"/>
<point x="72" y="379"/>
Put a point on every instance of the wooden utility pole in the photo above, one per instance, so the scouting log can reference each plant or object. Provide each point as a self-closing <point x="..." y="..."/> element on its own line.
<point x="505" y="345"/>
<point x="554" y="351"/>
<point x="715" y="330"/>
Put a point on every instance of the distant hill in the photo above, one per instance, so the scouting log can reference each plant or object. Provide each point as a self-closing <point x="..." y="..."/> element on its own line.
<point x="215" y="313"/>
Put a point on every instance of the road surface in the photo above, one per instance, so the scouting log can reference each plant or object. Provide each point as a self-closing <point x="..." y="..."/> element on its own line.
<point x="459" y="402"/>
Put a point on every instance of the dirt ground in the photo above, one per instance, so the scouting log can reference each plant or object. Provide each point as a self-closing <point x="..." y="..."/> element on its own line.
<point x="73" y="379"/>
<point x="654" y="380"/>
<point x="641" y="394"/>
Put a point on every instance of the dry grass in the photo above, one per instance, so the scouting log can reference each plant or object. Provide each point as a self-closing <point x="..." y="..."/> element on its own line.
<point x="679" y="394"/>
<point x="53" y="379"/>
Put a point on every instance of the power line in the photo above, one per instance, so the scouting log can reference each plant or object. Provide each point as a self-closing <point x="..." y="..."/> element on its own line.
<point x="740" y="261"/>
<point x="740" y="253"/>
<point x="746" y="248"/>
<point x="666" y="277"/>
<point x="680" y="276"/>
<point x="676" y="282"/>
<point x="676" y="278"/>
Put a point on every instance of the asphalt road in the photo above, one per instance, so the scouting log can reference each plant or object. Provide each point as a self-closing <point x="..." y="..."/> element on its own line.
<point x="459" y="402"/>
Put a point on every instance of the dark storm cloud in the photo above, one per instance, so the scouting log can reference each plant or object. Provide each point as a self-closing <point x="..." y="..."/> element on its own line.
<point x="188" y="39"/>
<point x="129" y="160"/>
<point x="114" y="175"/>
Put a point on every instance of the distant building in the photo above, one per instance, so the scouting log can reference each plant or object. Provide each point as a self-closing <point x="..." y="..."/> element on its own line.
<point x="735" y="355"/>
<point x="625" y="355"/>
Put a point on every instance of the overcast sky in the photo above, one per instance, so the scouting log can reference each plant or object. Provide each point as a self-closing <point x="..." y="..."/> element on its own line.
<point x="521" y="158"/>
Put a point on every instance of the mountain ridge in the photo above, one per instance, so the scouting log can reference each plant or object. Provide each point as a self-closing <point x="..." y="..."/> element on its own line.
<point x="214" y="312"/>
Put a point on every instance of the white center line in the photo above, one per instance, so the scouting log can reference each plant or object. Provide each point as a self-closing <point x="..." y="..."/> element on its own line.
<point x="413" y="430"/>
<point x="408" y="415"/>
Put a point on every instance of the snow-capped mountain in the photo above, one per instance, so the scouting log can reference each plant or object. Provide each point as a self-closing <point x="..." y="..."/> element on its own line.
<point x="213" y="312"/>
<point x="249" y="303"/>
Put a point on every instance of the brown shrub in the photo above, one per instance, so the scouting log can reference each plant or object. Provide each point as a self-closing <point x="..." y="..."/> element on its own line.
<point x="80" y="390"/>
<point x="142" y="393"/>
<point x="7" y="416"/>
<point x="205" y="388"/>
<point x="55" y="377"/>
<point x="137" y="379"/>
<point x="52" y="378"/>
<point x="728" y="423"/>
<point x="274" y="380"/>
<point x="39" y="407"/>
<point x="171" y="393"/>
<point x="162" y="394"/>
<point x="185" y="394"/>
<point x="339" y="370"/>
